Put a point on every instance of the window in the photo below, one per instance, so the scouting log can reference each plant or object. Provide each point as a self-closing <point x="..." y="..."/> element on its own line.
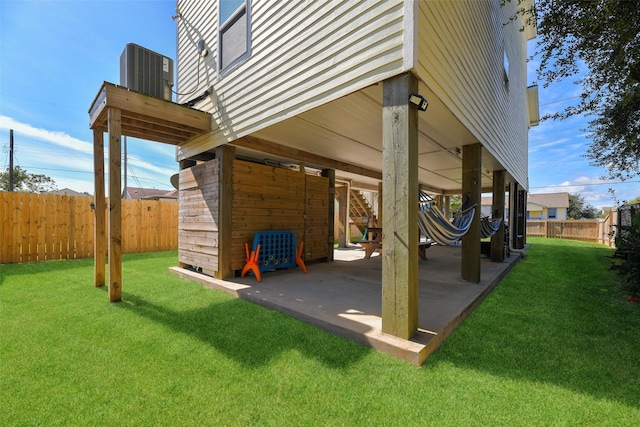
<point x="552" y="213"/>
<point x="506" y="66"/>
<point x="233" y="33"/>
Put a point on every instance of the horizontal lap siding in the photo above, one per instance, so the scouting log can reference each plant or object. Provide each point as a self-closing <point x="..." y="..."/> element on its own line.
<point x="461" y="48"/>
<point x="304" y="54"/>
<point x="198" y="216"/>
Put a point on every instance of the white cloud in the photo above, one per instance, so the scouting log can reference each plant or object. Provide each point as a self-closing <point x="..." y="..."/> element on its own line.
<point x="136" y="161"/>
<point x="59" y="138"/>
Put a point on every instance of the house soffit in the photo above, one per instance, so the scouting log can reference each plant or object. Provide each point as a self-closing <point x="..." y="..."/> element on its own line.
<point x="349" y="130"/>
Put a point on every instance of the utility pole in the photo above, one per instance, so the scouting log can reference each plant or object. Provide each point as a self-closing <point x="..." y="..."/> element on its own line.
<point x="11" y="160"/>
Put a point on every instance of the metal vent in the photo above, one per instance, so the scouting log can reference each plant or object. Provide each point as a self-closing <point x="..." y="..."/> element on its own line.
<point x="146" y="71"/>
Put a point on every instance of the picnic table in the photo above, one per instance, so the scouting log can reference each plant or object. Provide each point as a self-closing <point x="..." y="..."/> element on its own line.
<point x="372" y="241"/>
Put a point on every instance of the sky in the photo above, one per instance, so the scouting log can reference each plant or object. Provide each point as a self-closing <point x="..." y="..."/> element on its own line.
<point x="54" y="56"/>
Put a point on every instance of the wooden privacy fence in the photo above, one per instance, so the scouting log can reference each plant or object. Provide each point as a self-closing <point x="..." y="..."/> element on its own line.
<point x="587" y="230"/>
<point x="40" y="227"/>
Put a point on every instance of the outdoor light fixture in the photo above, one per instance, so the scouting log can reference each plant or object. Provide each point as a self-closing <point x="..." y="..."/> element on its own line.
<point x="419" y="101"/>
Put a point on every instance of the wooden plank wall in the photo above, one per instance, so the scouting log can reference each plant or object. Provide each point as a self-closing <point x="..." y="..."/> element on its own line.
<point x="264" y="198"/>
<point x="317" y="217"/>
<point x="271" y="198"/>
<point x="198" y="217"/>
<point x="41" y="227"/>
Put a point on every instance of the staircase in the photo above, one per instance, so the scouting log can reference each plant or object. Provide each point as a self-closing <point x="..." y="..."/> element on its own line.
<point x="360" y="211"/>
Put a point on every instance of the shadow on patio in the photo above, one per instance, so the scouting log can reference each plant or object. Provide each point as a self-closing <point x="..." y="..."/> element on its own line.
<point x="344" y="296"/>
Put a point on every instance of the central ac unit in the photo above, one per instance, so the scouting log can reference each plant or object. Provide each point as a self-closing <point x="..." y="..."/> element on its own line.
<point x="146" y="71"/>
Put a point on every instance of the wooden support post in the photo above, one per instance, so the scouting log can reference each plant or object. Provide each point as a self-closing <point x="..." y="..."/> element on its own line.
<point x="472" y="185"/>
<point x="521" y="225"/>
<point x="226" y="155"/>
<point x="517" y="210"/>
<point x="400" y="207"/>
<point x="380" y="196"/>
<point x="99" y="206"/>
<point x="497" y="240"/>
<point x="447" y="206"/>
<point x="347" y="215"/>
<point x="342" y="194"/>
<point x="331" y="174"/>
<point x="511" y="213"/>
<point x="115" y="205"/>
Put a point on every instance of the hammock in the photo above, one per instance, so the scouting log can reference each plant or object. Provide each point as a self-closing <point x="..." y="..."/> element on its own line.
<point x="434" y="225"/>
<point x="489" y="226"/>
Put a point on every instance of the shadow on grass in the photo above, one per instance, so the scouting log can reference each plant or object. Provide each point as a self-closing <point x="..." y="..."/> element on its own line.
<point x="250" y="334"/>
<point x="556" y="319"/>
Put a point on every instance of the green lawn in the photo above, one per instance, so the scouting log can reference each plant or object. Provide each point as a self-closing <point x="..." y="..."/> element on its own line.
<point x="557" y="343"/>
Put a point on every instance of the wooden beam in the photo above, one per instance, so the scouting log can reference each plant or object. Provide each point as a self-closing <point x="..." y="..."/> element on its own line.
<point x="400" y="208"/>
<point x="100" y="226"/>
<point x="472" y="186"/>
<point x="115" y="206"/>
<point x="112" y="96"/>
<point x="303" y="156"/>
<point x="497" y="240"/>
<point x="225" y="154"/>
<point x="147" y="117"/>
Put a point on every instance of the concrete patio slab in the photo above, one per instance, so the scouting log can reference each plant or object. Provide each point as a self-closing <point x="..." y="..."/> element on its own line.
<point x="344" y="296"/>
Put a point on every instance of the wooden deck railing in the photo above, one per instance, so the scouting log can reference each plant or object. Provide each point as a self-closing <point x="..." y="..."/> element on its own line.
<point x="40" y="227"/>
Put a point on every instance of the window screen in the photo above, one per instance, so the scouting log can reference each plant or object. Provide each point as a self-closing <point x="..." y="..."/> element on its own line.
<point x="233" y="32"/>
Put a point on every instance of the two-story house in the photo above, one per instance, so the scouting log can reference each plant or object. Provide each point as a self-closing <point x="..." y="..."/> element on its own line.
<point x="306" y="97"/>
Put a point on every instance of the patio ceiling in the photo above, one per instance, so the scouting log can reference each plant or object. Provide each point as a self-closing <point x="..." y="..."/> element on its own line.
<point x="349" y="130"/>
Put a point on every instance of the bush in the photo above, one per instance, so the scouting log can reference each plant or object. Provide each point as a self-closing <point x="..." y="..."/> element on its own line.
<point x="628" y="251"/>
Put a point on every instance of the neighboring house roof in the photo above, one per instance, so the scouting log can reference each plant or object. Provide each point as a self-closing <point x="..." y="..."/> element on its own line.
<point x="550" y="200"/>
<point x="547" y="200"/>
<point x="150" y="193"/>
<point x="69" y="192"/>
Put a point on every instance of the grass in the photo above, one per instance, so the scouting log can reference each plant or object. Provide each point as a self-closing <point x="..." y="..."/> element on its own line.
<point x="555" y="344"/>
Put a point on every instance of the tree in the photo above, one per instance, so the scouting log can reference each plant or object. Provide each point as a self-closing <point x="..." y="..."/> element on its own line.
<point x="579" y="208"/>
<point x="28" y="182"/>
<point x="604" y="37"/>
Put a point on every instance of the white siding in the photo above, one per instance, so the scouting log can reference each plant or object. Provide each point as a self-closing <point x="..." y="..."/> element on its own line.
<point x="304" y="54"/>
<point x="461" y="47"/>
